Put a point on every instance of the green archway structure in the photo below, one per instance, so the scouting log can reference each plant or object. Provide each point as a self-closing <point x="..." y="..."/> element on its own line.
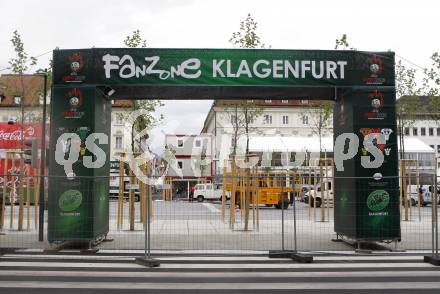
<point x="361" y="83"/>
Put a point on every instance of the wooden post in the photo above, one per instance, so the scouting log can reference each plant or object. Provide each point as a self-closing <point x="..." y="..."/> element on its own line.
<point x="327" y="191"/>
<point x="232" y="200"/>
<point x="224" y="194"/>
<point x="150" y="190"/>
<point x="5" y="182"/>
<point x="21" y="193"/>
<point x="321" y="175"/>
<point x="28" y="203"/>
<point x="121" y="192"/>
<point x="12" y="192"/>
<point x="310" y="190"/>
<point x="315" y="184"/>
<point x="409" y="185"/>
<point x="131" y="200"/>
<point x="332" y="162"/>
<point x="36" y="199"/>
<point x="247" y="198"/>
<point x="401" y="188"/>
<point x="418" y="189"/>
<point x="405" y="197"/>
<point x="142" y="195"/>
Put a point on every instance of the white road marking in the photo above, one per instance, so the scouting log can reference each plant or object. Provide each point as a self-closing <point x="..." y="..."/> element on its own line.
<point x="206" y="286"/>
<point x="377" y="265"/>
<point x="191" y="275"/>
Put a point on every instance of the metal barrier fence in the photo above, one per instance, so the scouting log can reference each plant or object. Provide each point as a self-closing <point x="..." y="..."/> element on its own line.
<point x="217" y="223"/>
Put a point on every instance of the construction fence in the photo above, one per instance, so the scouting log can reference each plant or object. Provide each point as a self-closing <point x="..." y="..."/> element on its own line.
<point x="247" y="210"/>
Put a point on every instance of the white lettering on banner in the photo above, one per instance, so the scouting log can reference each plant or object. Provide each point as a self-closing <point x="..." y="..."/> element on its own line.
<point x="280" y="69"/>
<point x="126" y="68"/>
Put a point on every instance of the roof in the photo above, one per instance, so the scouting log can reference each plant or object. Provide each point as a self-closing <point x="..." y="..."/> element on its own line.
<point x="311" y="144"/>
<point x="299" y="102"/>
<point x="28" y="87"/>
<point x="31" y="87"/>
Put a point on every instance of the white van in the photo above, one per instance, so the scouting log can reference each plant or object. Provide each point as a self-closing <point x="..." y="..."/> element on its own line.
<point x="426" y="192"/>
<point x="207" y="191"/>
<point x="320" y="197"/>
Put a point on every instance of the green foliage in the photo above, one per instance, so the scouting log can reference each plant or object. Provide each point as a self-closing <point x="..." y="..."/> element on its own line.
<point x="407" y="93"/>
<point x="431" y="87"/>
<point x="135" y="40"/>
<point x="247" y="36"/>
<point x="21" y="62"/>
<point x="342" y="43"/>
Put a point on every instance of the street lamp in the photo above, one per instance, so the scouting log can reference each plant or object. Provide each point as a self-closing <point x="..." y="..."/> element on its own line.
<point x="42" y="160"/>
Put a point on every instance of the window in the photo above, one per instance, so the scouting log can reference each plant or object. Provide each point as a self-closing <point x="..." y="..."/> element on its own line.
<point x="198" y="143"/>
<point x="41" y="99"/>
<point x="415" y="133"/>
<point x="180" y="143"/>
<point x="422" y="131"/>
<point x="118" y="142"/>
<point x="438" y="131"/>
<point x="180" y="164"/>
<point x="268" y="101"/>
<point x="438" y="148"/>
<point x="233" y="119"/>
<point x="285" y="119"/>
<point x="432" y="146"/>
<point x="267" y="119"/>
<point x="305" y="120"/>
<point x="406" y="131"/>
<point x="304" y="101"/>
<point x="285" y="101"/>
<point x="17" y="100"/>
<point x="119" y="120"/>
<point x="431" y="131"/>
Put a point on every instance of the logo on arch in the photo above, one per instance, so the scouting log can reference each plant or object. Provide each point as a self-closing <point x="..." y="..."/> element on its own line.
<point x="76" y="64"/>
<point x="74" y="99"/>
<point x="375" y="67"/>
<point x="377" y="102"/>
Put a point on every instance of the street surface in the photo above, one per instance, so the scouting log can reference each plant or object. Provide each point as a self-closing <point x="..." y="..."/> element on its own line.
<point x="46" y="274"/>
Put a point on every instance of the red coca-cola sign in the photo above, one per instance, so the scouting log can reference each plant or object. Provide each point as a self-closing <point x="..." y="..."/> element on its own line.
<point x="11" y="135"/>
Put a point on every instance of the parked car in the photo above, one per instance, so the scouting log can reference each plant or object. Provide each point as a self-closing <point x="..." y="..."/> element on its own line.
<point x="208" y="192"/>
<point x="426" y="194"/>
<point x="319" y="195"/>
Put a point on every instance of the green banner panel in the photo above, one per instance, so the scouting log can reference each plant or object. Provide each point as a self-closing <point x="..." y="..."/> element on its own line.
<point x="223" y="67"/>
<point x="78" y="200"/>
<point x="367" y="197"/>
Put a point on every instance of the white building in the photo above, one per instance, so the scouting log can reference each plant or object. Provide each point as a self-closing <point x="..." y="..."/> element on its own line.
<point x="287" y="125"/>
<point x="284" y="118"/>
<point x="189" y="158"/>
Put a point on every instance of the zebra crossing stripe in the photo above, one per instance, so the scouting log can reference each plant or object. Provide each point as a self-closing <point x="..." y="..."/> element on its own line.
<point x="223" y="286"/>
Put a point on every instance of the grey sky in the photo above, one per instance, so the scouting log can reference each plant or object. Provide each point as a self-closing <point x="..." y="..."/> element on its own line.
<point x="407" y="27"/>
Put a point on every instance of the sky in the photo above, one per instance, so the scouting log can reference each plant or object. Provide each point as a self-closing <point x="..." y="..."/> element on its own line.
<point x="410" y="28"/>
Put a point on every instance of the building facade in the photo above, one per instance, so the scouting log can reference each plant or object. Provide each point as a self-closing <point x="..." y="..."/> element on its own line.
<point x="299" y="119"/>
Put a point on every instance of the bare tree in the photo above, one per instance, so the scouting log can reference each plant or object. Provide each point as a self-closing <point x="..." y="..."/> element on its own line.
<point x="319" y="119"/>
<point x="144" y="121"/>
